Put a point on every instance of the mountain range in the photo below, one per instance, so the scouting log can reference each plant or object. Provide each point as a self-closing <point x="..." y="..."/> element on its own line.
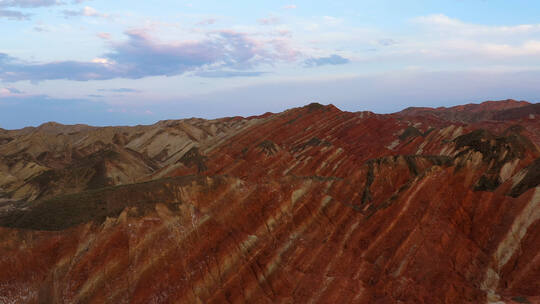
<point x="310" y="205"/>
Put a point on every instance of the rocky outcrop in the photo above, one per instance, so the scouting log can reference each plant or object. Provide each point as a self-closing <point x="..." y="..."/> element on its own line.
<point x="311" y="205"/>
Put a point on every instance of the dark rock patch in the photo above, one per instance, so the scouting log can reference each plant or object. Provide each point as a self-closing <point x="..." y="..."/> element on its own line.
<point x="530" y="180"/>
<point x="194" y="158"/>
<point x="268" y="147"/>
<point x="313" y="142"/>
<point x="410" y="132"/>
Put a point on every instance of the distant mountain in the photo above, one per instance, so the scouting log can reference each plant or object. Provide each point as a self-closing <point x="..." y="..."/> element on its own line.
<point x="310" y="205"/>
<point x="470" y="113"/>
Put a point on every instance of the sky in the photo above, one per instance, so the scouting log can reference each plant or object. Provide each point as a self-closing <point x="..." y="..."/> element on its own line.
<point x="121" y="62"/>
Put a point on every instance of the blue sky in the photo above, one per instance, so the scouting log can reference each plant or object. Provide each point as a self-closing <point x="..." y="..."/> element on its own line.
<point x="119" y="62"/>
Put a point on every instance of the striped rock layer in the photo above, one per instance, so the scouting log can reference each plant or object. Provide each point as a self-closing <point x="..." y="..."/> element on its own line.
<point x="311" y="205"/>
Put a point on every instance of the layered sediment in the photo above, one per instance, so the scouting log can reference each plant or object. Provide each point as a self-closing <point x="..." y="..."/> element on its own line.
<point x="311" y="205"/>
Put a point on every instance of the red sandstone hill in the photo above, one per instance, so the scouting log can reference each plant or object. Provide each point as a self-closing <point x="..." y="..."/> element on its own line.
<point x="311" y="205"/>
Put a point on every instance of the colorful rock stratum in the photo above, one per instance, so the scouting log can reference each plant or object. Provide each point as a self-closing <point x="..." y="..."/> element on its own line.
<point x="311" y="205"/>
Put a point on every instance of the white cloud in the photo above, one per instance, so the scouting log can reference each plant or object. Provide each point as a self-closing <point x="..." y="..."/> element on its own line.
<point x="90" y="12"/>
<point x="329" y="20"/>
<point x="103" y="61"/>
<point x="438" y="19"/>
<point x="440" y="22"/>
<point x="208" y="21"/>
<point x="7" y="92"/>
<point x="87" y="11"/>
<point x="528" y="48"/>
<point x="290" y="6"/>
<point x="28" y="3"/>
<point x="442" y="41"/>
